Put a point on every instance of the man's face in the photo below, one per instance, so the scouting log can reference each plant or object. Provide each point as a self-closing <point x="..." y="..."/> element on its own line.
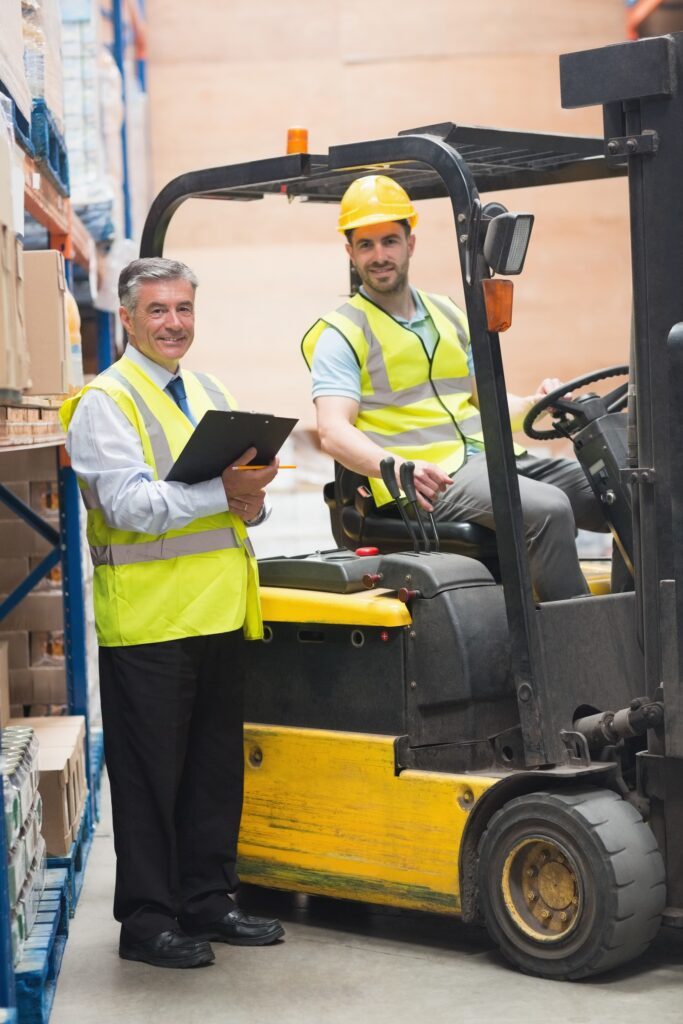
<point x="162" y="326"/>
<point x="381" y="255"/>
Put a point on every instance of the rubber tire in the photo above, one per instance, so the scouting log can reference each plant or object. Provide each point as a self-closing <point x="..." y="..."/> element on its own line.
<point x="621" y="869"/>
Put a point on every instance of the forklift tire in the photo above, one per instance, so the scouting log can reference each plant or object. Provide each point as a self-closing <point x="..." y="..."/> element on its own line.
<point x="571" y="882"/>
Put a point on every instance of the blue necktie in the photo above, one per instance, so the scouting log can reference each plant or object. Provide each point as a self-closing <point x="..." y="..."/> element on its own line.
<point x="176" y="388"/>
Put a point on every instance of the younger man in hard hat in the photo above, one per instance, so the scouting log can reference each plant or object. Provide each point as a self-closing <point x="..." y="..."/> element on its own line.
<point x="392" y="372"/>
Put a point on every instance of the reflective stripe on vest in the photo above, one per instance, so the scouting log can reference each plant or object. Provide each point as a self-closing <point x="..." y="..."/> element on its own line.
<point x="417" y="437"/>
<point x="165" y="547"/>
<point x="383" y="393"/>
<point x="213" y="391"/>
<point x="161" y="450"/>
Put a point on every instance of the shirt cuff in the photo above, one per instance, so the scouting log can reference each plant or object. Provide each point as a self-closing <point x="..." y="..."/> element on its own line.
<point x="209" y="497"/>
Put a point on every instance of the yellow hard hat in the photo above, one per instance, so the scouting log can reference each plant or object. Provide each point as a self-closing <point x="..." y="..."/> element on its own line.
<point x="374" y="199"/>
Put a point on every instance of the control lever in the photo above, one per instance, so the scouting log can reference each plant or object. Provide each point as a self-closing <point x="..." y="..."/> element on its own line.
<point x="407" y="474"/>
<point x="386" y="468"/>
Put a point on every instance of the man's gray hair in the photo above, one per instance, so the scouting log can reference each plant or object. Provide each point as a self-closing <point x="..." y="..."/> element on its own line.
<point x="153" y="268"/>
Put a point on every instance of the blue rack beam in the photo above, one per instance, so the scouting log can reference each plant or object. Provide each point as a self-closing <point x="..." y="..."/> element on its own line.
<point x="119" y="57"/>
<point x="105" y="340"/>
<point x="74" y="608"/>
<point x="76" y="859"/>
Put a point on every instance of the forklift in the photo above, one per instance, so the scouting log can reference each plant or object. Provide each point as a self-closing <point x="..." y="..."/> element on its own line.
<point x="422" y="732"/>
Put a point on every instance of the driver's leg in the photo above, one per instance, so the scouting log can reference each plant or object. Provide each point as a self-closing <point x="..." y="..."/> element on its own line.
<point x="568" y="475"/>
<point x="549" y="526"/>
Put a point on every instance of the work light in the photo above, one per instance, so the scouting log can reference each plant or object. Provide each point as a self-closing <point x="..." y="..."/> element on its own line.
<point x="506" y="242"/>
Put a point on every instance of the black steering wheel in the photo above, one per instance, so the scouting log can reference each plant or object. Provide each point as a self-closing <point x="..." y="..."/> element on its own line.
<point x="570" y="413"/>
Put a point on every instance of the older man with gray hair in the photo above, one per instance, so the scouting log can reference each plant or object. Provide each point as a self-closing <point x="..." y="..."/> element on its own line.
<point x="175" y="588"/>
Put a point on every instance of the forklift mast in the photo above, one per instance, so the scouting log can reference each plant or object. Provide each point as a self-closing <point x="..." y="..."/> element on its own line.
<point x="639" y="86"/>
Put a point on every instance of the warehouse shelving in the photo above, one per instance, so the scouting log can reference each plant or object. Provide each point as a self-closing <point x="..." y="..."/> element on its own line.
<point x="66" y="232"/>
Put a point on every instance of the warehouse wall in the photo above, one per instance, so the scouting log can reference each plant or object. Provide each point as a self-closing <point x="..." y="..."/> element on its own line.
<point x="227" y="79"/>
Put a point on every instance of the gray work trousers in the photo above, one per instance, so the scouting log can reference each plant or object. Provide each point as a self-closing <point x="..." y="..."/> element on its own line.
<point x="556" y="499"/>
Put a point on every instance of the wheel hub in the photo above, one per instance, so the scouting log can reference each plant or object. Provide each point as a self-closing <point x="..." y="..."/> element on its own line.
<point x="541" y="889"/>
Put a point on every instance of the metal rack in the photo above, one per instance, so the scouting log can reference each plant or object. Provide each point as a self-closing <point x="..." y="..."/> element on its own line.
<point x="67" y="234"/>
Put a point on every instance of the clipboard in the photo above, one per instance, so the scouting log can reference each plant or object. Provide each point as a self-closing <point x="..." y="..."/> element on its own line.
<point x="221" y="437"/>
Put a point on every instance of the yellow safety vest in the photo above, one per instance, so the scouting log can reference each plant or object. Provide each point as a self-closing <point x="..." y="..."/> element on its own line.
<point x="412" y="405"/>
<point x="195" y="581"/>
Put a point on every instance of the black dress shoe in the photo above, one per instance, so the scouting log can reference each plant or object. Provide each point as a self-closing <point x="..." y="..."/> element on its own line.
<point x="167" y="949"/>
<point x="239" y="929"/>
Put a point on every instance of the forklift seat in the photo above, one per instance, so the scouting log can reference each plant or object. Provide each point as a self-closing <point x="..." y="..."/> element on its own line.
<point x="356" y="523"/>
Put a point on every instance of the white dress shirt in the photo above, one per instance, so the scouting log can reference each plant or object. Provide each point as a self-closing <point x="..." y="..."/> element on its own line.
<point x="106" y="452"/>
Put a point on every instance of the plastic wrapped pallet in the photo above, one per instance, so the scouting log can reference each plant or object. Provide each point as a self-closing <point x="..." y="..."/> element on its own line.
<point x="12" y="73"/>
<point x="43" y="54"/>
<point x="82" y="115"/>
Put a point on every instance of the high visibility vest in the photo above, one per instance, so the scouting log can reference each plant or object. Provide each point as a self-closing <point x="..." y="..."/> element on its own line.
<point x="195" y="581"/>
<point x="411" y="404"/>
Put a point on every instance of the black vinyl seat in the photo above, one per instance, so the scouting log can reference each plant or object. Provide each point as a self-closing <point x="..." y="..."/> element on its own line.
<point x="357" y="523"/>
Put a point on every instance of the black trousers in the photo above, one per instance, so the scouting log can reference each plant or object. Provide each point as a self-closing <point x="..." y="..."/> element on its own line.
<point x="173" y="722"/>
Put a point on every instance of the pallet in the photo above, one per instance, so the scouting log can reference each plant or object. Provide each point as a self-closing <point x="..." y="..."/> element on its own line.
<point x="75" y="860"/>
<point x="50" y="147"/>
<point x="96" y="766"/>
<point x="22" y="126"/>
<point x="36" y="973"/>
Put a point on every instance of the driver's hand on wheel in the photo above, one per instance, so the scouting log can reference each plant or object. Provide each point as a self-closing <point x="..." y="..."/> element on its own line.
<point x="547" y="385"/>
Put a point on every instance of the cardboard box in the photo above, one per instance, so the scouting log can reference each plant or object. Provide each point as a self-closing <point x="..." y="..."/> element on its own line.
<point x="39" y="464"/>
<point x="40" y="710"/>
<point x="13" y="571"/>
<point x="21" y="686"/>
<point x="57" y="828"/>
<point x="49" y="685"/>
<point x="46" y="323"/>
<point x="47" y="648"/>
<point x="44" y="494"/>
<point x="51" y="581"/>
<point x="18" y="648"/>
<point x="62" y="786"/>
<point x="45" y="685"/>
<point x="37" y="612"/>
<point x="70" y="726"/>
<point x="4" y="684"/>
<point x="20" y="489"/>
<point x="18" y="538"/>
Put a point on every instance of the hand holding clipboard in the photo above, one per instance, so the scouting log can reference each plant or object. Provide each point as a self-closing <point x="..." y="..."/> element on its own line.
<point x="246" y="492"/>
<point x="224" y="441"/>
<point x="221" y="439"/>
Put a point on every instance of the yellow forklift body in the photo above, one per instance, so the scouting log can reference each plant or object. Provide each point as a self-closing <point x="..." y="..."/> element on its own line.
<point x="325" y="813"/>
<point x="367" y="608"/>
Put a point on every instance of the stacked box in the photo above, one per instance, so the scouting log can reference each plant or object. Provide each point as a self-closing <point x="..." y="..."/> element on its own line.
<point x="55" y="362"/>
<point x="34" y="630"/>
<point x="62" y="784"/>
<point x="23" y="810"/>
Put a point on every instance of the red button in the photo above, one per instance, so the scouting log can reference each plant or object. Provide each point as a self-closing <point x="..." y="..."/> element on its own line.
<point x="367" y="551"/>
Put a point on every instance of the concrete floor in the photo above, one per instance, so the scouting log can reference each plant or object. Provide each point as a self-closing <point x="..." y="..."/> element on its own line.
<point x="341" y="963"/>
